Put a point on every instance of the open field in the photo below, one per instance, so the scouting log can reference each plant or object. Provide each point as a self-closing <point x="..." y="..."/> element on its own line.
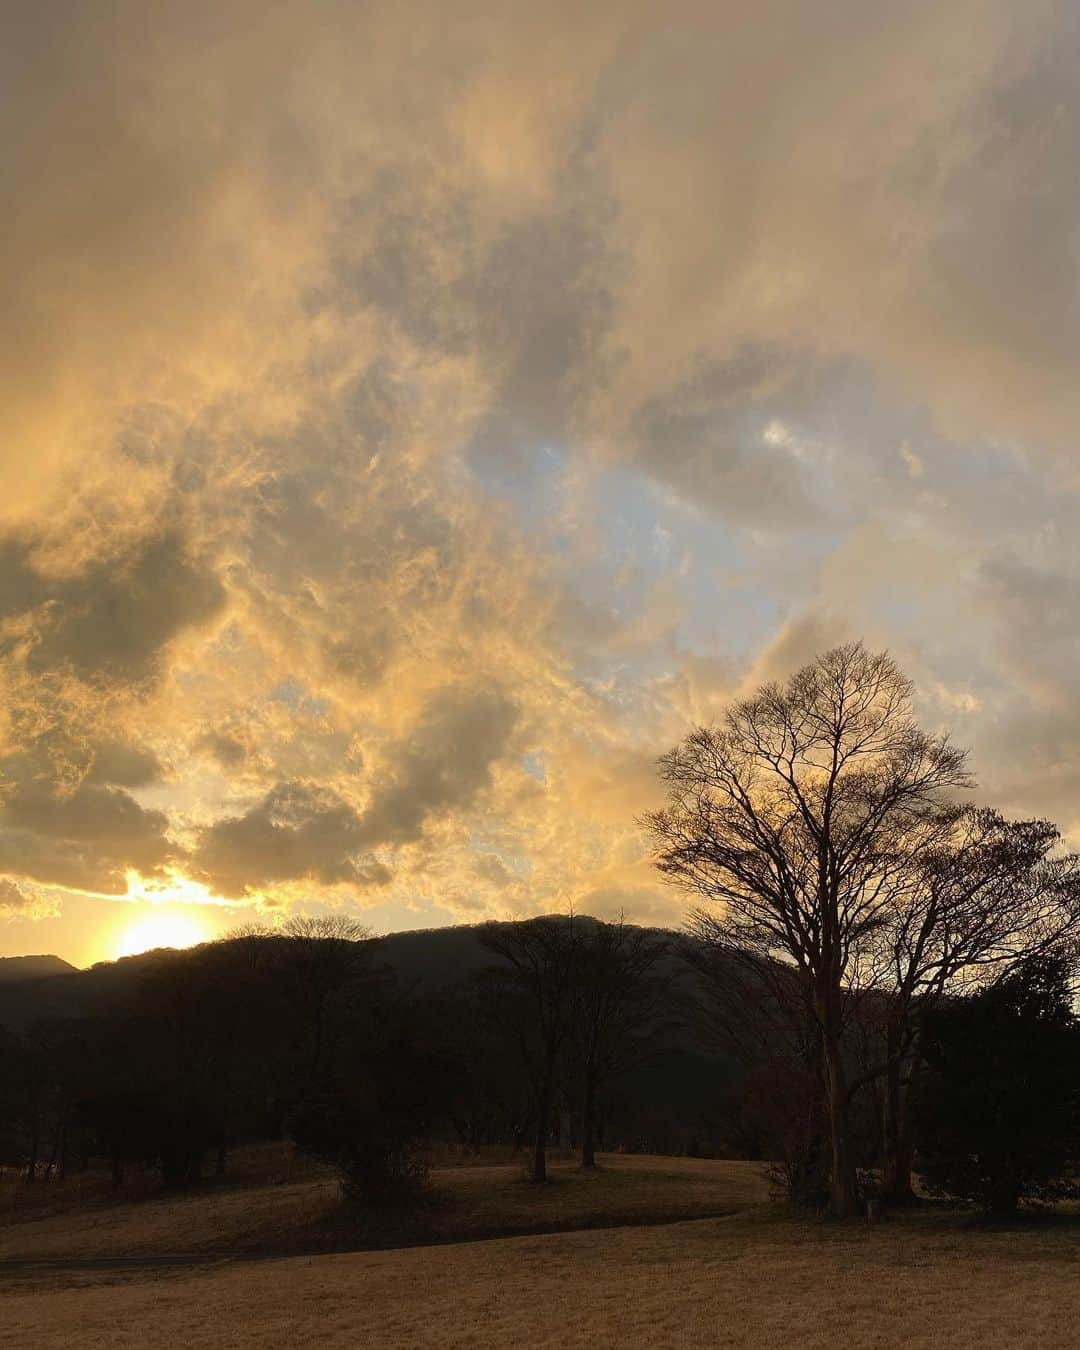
<point x="305" y="1215"/>
<point x="754" y="1279"/>
<point x="205" y="1269"/>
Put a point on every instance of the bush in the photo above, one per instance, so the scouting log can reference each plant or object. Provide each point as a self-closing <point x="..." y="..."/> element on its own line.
<point x="369" y="1146"/>
<point x="384" y="1178"/>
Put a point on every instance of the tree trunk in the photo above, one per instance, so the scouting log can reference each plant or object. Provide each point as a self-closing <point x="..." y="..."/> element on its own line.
<point x="1004" y="1197"/>
<point x="843" y="1188"/>
<point x="896" y="1170"/>
<point x="543" y="1118"/>
<point x="588" y="1124"/>
<point x="895" y="1175"/>
<point x="906" y="1153"/>
<point x="31" y="1166"/>
<point x="55" y="1154"/>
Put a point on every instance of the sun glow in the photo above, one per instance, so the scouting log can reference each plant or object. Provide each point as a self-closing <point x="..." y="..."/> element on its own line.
<point x="177" y="887"/>
<point x="161" y="930"/>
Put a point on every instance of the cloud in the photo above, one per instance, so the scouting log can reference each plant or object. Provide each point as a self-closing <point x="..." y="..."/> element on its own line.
<point x="12" y="899"/>
<point x="300" y="831"/>
<point x="296" y="833"/>
<point x="794" y="645"/>
<point x="109" y="620"/>
<point x="86" y="839"/>
<point x="442" y="765"/>
<point x="229" y="750"/>
<point x="1034" y="610"/>
<point x="121" y="765"/>
<point x="389" y="477"/>
<point x="709" y="439"/>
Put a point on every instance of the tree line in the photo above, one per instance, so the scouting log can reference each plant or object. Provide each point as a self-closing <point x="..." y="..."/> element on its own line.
<point x="304" y="1034"/>
<point x="880" y="969"/>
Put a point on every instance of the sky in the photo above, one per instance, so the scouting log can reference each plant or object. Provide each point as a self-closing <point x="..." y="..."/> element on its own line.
<point x="419" y="416"/>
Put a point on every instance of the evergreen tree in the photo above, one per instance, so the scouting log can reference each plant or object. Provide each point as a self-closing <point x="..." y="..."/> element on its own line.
<point x="998" y="1107"/>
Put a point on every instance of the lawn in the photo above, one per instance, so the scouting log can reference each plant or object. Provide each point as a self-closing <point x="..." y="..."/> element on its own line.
<point x="304" y="1215"/>
<point x="753" y="1279"/>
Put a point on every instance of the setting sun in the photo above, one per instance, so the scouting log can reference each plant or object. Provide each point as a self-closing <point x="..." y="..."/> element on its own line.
<point x="160" y="930"/>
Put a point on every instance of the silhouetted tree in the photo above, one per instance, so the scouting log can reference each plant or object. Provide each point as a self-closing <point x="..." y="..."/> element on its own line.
<point x="374" y="1101"/>
<point x="324" y="958"/>
<point x="541" y="955"/>
<point x="788" y="814"/>
<point x="620" y="982"/>
<point x="998" y="1105"/>
<point x="487" y="1090"/>
<point x="305" y="980"/>
<point x="180" y="1035"/>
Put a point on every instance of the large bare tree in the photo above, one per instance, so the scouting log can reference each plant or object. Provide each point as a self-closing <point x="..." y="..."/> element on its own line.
<point x="791" y="814"/>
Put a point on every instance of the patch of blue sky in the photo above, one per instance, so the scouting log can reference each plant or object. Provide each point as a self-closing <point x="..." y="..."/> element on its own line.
<point x="719" y="576"/>
<point x="530" y="478"/>
<point x="903" y="609"/>
<point x="296" y="697"/>
<point x="533" y="765"/>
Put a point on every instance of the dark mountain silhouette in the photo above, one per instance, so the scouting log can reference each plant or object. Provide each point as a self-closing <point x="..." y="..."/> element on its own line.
<point x="429" y="959"/>
<point x="423" y="960"/>
<point x="672" y="1097"/>
<point x="60" y="990"/>
<point x="16" y="968"/>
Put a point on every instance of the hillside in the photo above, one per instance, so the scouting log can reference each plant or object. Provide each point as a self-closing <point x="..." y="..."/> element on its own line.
<point x="262" y="1212"/>
<point x="672" y="1101"/>
<point x="422" y="961"/>
<point x="17" y="968"/>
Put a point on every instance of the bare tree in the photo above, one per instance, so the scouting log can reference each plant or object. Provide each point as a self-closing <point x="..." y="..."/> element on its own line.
<point x="542" y="956"/>
<point x="331" y="928"/>
<point x="324" y="957"/>
<point x="790" y="815"/>
<point x="619" y="987"/>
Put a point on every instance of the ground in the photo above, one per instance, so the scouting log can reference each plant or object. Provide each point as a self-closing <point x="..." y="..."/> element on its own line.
<point x="301" y="1214"/>
<point x="753" y="1277"/>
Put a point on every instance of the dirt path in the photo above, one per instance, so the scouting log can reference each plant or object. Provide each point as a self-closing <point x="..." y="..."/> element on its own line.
<point x="55" y="1272"/>
<point x="306" y="1218"/>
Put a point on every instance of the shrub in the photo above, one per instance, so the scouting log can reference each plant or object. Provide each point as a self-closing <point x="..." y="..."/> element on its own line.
<point x="369" y="1146"/>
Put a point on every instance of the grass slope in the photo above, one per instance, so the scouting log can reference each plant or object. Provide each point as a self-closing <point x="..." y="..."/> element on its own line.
<point x="305" y="1215"/>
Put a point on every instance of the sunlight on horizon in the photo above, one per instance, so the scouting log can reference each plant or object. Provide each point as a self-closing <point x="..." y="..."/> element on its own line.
<point x="160" y="930"/>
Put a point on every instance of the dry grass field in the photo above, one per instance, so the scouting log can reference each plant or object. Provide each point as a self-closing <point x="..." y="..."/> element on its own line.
<point x="755" y="1278"/>
<point x="305" y="1215"/>
<point x="745" y="1281"/>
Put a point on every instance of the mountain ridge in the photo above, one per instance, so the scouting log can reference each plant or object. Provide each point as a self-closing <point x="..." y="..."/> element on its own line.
<point x="36" y="966"/>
